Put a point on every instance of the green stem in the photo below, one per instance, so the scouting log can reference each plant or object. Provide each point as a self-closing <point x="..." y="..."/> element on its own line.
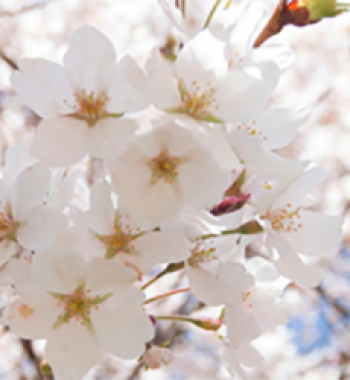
<point x="211" y="14"/>
<point x="168" y="294"/>
<point x="228" y="4"/>
<point x="204" y="323"/>
<point x="169" y="269"/>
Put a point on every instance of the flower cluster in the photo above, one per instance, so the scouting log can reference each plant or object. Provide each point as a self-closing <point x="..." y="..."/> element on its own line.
<point x="190" y="180"/>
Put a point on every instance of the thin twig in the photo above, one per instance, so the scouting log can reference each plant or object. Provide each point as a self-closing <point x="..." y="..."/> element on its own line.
<point x="282" y="16"/>
<point x="8" y="60"/>
<point x="28" y="349"/>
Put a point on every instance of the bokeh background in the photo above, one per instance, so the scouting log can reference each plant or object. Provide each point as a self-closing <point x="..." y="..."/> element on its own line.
<point x="315" y="343"/>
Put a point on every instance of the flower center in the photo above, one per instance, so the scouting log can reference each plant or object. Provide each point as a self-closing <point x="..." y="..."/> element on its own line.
<point x="78" y="306"/>
<point x="90" y="107"/>
<point x="198" y="102"/>
<point x="164" y="167"/>
<point x="202" y="253"/>
<point x="8" y="226"/>
<point x="121" y="240"/>
<point x="285" y="219"/>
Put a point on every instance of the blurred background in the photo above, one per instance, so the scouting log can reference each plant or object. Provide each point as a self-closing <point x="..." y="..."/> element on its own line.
<point x="315" y="343"/>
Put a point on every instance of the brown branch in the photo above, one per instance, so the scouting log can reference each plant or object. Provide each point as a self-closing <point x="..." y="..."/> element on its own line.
<point x="283" y="15"/>
<point x="28" y="349"/>
<point x="8" y="60"/>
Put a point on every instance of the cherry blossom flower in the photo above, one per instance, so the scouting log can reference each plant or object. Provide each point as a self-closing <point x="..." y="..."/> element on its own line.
<point x="190" y="16"/>
<point x="81" y="309"/>
<point x="82" y="102"/>
<point x="291" y="228"/>
<point x="112" y="233"/>
<point x="275" y="127"/>
<point x="200" y="85"/>
<point x="163" y="170"/>
<point x="24" y="217"/>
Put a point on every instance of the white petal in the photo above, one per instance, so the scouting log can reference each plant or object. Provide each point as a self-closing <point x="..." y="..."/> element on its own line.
<point x="43" y="86"/>
<point x="242" y="327"/>
<point x="126" y="91"/>
<point x="241" y="96"/>
<point x="29" y="189"/>
<point x="40" y="226"/>
<point x="103" y="275"/>
<point x="319" y="233"/>
<point x="4" y="194"/>
<point x="279" y="125"/>
<point x="33" y="315"/>
<point x="290" y="265"/>
<point x="160" y="87"/>
<point x="17" y="159"/>
<point x="7" y="250"/>
<point x="194" y="176"/>
<point x="60" y="141"/>
<point x="19" y="275"/>
<point x="100" y="217"/>
<point x="72" y="351"/>
<point x="89" y="59"/>
<point x="300" y="188"/>
<point x="110" y="137"/>
<point x="159" y="248"/>
<point x="58" y="272"/>
<point x="205" y="286"/>
<point x="123" y="331"/>
<point x="198" y="57"/>
<point x="132" y="178"/>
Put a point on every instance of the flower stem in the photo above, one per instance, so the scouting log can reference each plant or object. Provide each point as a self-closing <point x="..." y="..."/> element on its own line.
<point x="174" y="267"/>
<point x="203" y="323"/>
<point x="211" y="14"/>
<point x="168" y="294"/>
<point x="183" y="8"/>
<point x="228" y="4"/>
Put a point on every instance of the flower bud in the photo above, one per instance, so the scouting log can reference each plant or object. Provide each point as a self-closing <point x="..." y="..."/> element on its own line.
<point x="45" y="368"/>
<point x="319" y="9"/>
<point x="230" y="204"/>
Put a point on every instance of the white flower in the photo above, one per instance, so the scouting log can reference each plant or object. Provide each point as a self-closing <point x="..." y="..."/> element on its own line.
<point x="81" y="309"/>
<point x="240" y="37"/>
<point x="290" y="228"/>
<point x="200" y="85"/>
<point x="63" y="181"/>
<point x="81" y="103"/>
<point x="275" y="127"/>
<point x="112" y="233"/>
<point x="190" y="16"/>
<point x="165" y="169"/>
<point x="207" y="254"/>
<point x="24" y="217"/>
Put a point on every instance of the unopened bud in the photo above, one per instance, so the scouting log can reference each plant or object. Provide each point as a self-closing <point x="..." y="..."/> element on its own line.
<point x="45" y="368"/>
<point x="319" y="9"/>
<point x="208" y="323"/>
<point x="154" y="357"/>
<point x="230" y="204"/>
